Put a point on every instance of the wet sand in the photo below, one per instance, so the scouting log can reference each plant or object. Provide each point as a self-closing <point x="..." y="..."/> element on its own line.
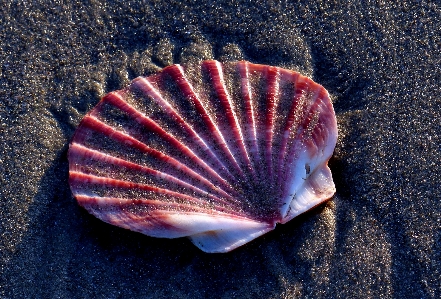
<point x="380" y="235"/>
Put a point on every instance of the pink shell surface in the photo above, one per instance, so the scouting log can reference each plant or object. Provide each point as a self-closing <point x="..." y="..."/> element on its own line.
<point x="218" y="153"/>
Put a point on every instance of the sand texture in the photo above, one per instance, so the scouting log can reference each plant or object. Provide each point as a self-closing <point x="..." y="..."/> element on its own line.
<point x="380" y="235"/>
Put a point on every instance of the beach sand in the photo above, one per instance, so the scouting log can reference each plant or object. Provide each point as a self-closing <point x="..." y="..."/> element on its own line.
<point x="379" y="236"/>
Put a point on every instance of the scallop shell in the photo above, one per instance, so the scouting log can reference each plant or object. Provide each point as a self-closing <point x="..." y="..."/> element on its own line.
<point x="218" y="153"/>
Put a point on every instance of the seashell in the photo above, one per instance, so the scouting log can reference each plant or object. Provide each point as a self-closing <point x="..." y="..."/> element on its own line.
<point x="218" y="153"/>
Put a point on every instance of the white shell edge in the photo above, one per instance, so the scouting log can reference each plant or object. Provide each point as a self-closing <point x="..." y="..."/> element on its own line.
<point x="226" y="240"/>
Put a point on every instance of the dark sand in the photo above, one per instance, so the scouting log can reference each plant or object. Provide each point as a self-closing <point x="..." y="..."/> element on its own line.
<point x="379" y="237"/>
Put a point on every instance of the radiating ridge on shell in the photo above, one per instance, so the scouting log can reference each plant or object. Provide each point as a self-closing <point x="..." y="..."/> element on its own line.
<point x="218" y="153"/>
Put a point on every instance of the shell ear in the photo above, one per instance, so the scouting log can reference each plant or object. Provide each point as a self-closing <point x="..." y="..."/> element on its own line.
<point x="316" y="189"/>
<point x="226" y="240"/>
